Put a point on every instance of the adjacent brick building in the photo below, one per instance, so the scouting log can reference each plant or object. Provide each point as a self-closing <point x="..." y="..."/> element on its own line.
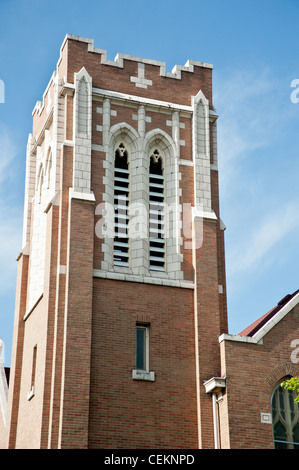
<point x="120" y="335"/>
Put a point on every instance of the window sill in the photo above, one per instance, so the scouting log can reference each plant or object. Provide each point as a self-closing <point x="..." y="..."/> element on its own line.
<point x="143" y="375"/>
<point x="30" y="394"/>
<point x="33" y="307"/>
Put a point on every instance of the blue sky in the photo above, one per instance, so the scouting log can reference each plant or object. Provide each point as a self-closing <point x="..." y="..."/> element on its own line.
<point x="253" y="46"/>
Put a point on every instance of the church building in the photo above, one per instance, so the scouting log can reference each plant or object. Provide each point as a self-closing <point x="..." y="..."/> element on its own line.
<point x="120" y="334"/>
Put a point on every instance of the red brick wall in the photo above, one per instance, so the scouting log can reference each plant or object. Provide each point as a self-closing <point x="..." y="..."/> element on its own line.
<point x="78" y="328"/>
<point x="17" y="352"/>
<point x="163" y="88"/>
<point x="252" y="373"/>
<point x="60" y="292"/>
<point x="126" y="412"/>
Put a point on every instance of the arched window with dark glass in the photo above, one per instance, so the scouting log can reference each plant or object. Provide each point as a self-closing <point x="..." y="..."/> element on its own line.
<point x="285" y="419"/>
<point x="156" y="212"/>
<point x="121" y="206"/>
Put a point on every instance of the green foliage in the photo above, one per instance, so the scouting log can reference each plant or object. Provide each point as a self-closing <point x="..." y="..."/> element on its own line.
<point x="292" y="384"/>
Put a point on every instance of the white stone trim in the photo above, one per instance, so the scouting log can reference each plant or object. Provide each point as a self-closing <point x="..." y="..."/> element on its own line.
<point x="266" y="418"/>
<point x="61" y="269"/>
<point x="32" y="307"/>
<point x="29" y="190"/>
<point x="97" y="148"/>
<point x="222" y="225"/>
<point x="215" y="384"/>
<point x="82" y="132"/>
<point x="103" y="274"/>
<point x="259" y="335"/>
<point x="238" y="338"/>
<point x="31" y="393"/>
<point x="67" y="143"/>
<point x="143" y="375"/>
<point x="147" y="118"/>
<point x="276" y="318"/>
<point x="41" y="185"/>
<point x="39" y="106"/>
<point x="186" y="162"/>
<point x="134" y="100"/>
<point x="140" y="100"/>
<point x="199" y="213"/>
<point x="81" y="196"/>
<point x="214" y="165"/>
<point x="201" y="151"/>
<point x="140" y="81"/>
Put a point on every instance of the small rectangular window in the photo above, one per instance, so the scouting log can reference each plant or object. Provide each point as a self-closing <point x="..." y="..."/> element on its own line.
<point x="141" y="347"/>
<point x="142" y="372"/>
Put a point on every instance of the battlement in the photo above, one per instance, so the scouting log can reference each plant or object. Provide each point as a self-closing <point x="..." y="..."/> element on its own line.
<point x="176" y="72"/>
<point x="132" y="75"/>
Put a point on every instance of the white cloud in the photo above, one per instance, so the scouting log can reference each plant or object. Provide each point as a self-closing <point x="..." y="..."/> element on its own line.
<point x="260" y="208"/>
<point x="253" y="115"/>
<point x="261" y="243"/>
<point x="11" y="214"/>
<point x="8" y="153"/>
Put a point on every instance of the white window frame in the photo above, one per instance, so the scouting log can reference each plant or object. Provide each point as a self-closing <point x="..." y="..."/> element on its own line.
<point x="143" y="374"/>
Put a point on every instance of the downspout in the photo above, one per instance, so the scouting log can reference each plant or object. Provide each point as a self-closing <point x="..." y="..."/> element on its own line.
<point x="213" y="386"/>
<point x="216" y="421"/>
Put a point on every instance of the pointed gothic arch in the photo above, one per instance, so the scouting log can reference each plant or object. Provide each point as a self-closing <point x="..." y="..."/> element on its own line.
<point x="285" y="418"/>
<point x="158" y="145"/>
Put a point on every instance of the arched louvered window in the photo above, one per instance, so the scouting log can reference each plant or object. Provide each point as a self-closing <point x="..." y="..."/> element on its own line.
<point x="285" y="419"/>
<point x="156" y="212"/>
<point x="121" y="206"/>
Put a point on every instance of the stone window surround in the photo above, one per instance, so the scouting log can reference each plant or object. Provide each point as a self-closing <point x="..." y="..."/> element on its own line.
<point x="139" y="152"/>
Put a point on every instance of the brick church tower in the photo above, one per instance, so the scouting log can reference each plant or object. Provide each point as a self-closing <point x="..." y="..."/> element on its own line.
<point x="121" y="293"/>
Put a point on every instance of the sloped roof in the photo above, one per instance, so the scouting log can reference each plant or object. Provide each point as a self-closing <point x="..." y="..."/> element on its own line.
<point x="252" y="329"/>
